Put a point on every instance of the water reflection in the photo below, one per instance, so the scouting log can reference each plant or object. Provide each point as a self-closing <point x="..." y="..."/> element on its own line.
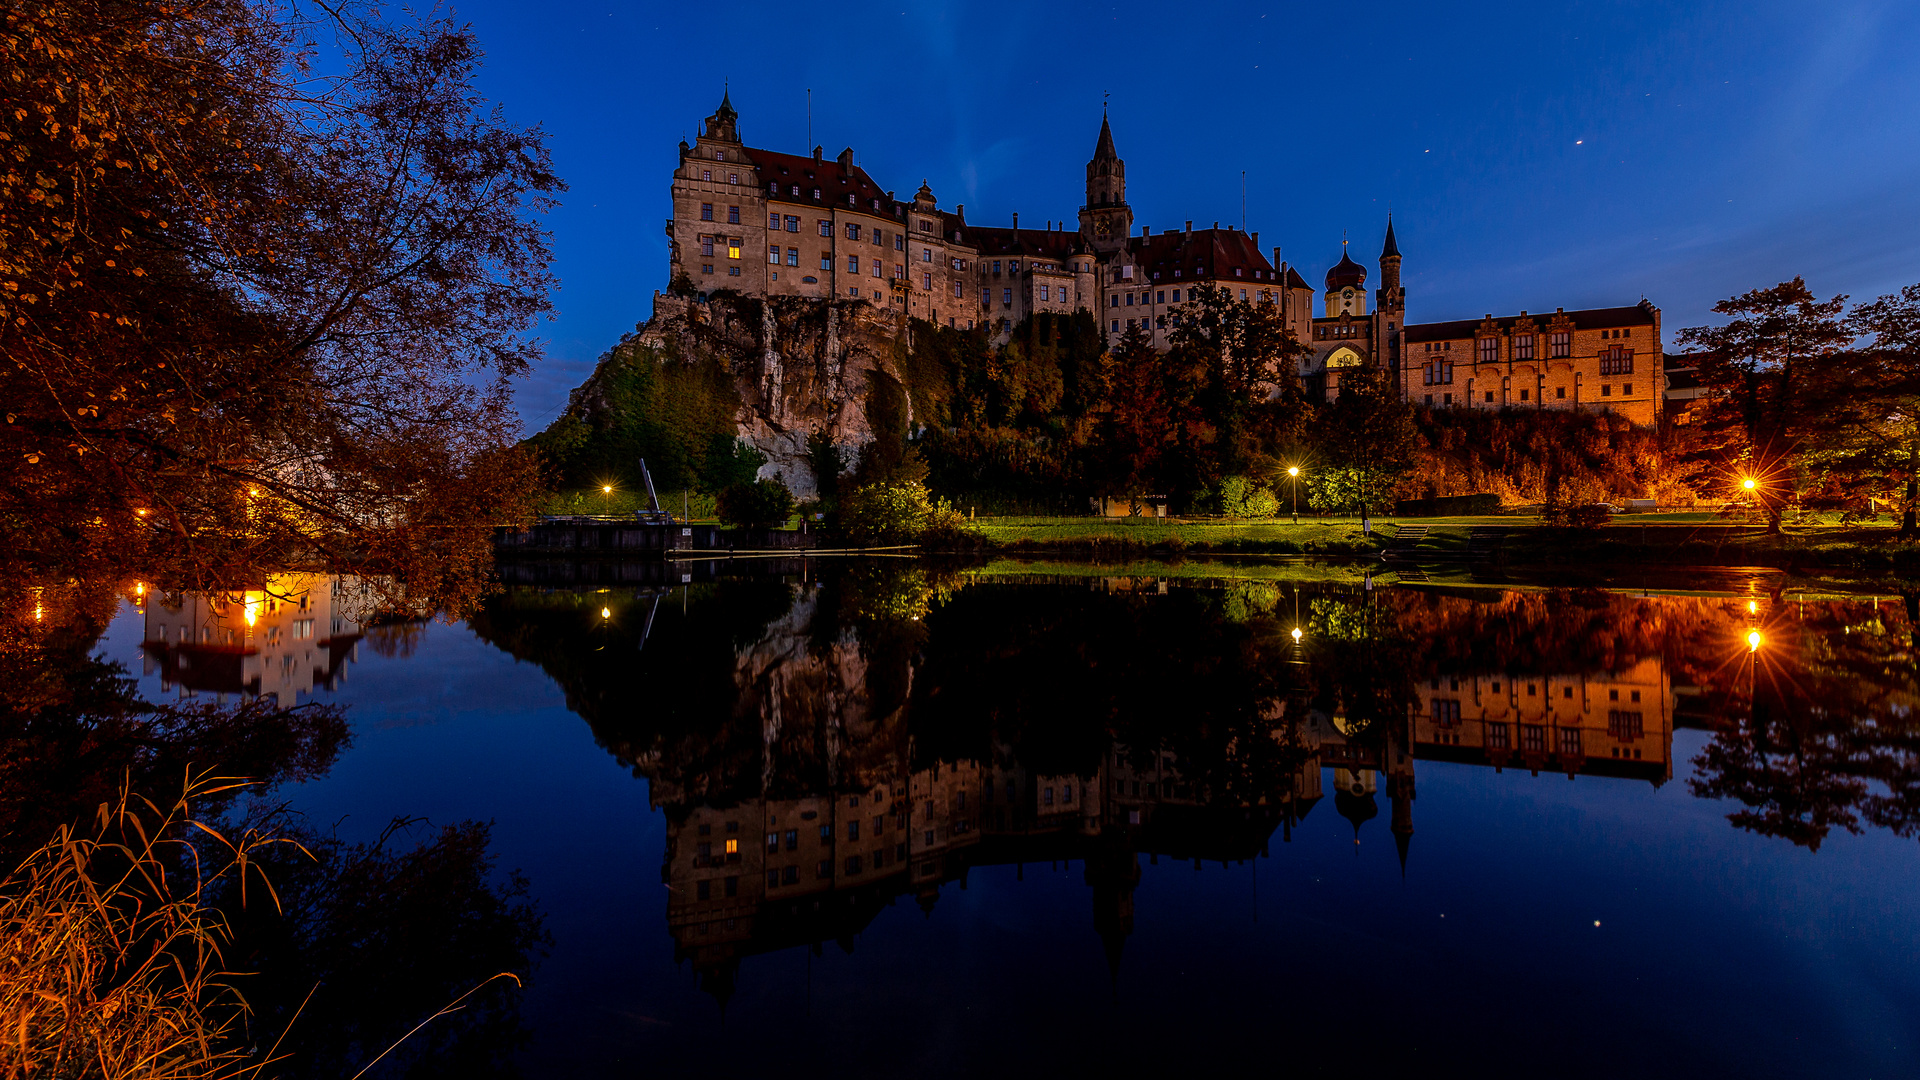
<point x="823" y="744"/>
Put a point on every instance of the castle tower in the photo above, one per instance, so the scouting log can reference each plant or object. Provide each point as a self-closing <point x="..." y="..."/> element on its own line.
<point x="1391" y="299"/>
<point x="1106" y="220"/>
<point x="1346" y="287"/>
<point x="724" y="124"/>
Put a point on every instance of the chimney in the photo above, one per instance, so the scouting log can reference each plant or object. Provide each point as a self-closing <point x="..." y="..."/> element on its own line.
<point x="1256" y="239"/>
<point x="1146" y="231"/>
<point x="1216" y="226"/>
<point x="1281" y="266"/>
<point x="816" y="154"/>
<point x="846" y="159"/>
<point x="1523" y="311"/>
<point x="1016" y="225"/>
<point x="960" y="211"/>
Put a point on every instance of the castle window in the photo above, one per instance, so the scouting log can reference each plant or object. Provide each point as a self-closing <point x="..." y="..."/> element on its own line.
<point x="1523" y="347"/>
<point x="1176" y="296"/>
<point x="899" y="272"/>
<point x="793" y="256"/>
<point x="773" y="222"/>
<point x="1116" y="326"/>
<point x="1489" y="397"/>
<point x="853" y="290"/>
<point x="773" y="189"/>
<point x="1561" y="342"/>
<point x="793" y="223"/>
<point x="986" y="297"/>
<point x="816" y="194"/>
<point x="853" y="230"/>
<point x="1446" y="399"/>
<point x="1013" y="267"/>
<point x="1176" y="273"/>
<point x="773" y="254"/>
<point x="1523" y="395"/>
<point x="706" y="246"/>
<point x="899" y="242"/>
<point x="1243" y="295"/>
<point x="1160" y="297"/>
<point x="1626" y="389"/>
<point x="926" y="254"/>
<point x="926" y="226"/>
<point x="853" y="264"/>
<point x="1617" y="360"/>
<point x="1006" y="297"/>
<point x="796" y="189"/>
<point x="706" y="268"/>
<point x="1046" y="293"/>
<point x="733" y="248"/>
<point x="706" y="211"/>
<point x="927" y="282"/>
<point x="1236" y="272"/>
<point x="1489" y="350"/>
<point x="733" y="215"/>
<point x="826" y="227"/>
<point x="1115" y="298"/>
<point x="1559" y="391"/>
<point x="706" y="174"/>
<point x="1129" y="299"/>
<point x="1429" y="399"/>
<point x="826" y="261"/>
<point x="958" y="291"/>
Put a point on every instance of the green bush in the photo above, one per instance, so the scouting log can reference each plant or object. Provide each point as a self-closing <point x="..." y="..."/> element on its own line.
<point x="759" y="504"/>
<point x="896" y="510"/>
<point x="1238" y="496"/>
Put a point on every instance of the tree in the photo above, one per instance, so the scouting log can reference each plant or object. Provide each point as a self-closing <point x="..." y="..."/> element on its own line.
<point x="1867" y="401"/>
<point x="1758" y="368"/>
<point x="1367" y="442"/>
<point x="1241" y="367"/>
<point x="756" y="504"/>
<point x="250" y="312"/>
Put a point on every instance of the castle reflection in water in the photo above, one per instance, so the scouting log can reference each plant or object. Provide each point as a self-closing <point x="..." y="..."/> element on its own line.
<point x="838" y="808"/>
<point x="824" y="743"/>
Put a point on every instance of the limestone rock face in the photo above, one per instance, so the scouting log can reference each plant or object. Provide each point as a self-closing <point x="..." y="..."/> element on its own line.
<point x="800" y="366"/>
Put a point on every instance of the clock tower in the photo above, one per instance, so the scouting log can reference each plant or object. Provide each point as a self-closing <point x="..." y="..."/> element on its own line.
<point x="1106" y="220"/>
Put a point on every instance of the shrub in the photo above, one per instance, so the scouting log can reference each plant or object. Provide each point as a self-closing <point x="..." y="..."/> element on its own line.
<point x="759" y="504"/>
<point x="1238" y="496"/>
<point x="1576" y="516"/>
<point x="897" y="510"/>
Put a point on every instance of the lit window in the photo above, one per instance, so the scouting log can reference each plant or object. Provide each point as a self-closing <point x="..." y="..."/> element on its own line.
<point x="733" y="248"/>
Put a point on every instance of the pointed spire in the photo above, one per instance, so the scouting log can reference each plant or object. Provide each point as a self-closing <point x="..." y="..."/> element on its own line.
<point x="1103" y="150"/>
<point x="1391" y="250"/>
<point x="1401" y="840"/>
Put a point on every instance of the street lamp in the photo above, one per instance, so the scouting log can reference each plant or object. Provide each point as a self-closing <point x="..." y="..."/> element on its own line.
<point x="1296" y="635"/>
<point x="1293" y="473"/>
<point x="1753" y="641"/>
<point x="606" y="498"/>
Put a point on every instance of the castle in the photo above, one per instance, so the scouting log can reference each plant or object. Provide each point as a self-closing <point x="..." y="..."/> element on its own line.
<point x="832" y="232"/>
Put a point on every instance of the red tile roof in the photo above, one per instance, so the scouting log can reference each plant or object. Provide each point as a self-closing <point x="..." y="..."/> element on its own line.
<point x="835" y="183"/>
<point x="1641" y="314"/>
<point x="1202" y="253"/>
<point x="990" y="241"/>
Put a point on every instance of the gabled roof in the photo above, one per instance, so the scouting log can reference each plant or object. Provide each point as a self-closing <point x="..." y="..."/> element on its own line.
<point x="992" y="242"/>
<point x="1641" y="314"/>
<point x="1202" y="253"/>
<point x="835" y="183"/>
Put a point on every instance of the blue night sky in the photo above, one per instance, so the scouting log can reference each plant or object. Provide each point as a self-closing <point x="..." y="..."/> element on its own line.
<point x="1535" y="155"/>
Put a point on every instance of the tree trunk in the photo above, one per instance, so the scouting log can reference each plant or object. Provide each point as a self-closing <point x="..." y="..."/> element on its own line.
<point x="1908" y="525"/>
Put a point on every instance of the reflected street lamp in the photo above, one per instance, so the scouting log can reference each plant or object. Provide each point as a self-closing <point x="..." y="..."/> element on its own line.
<point x="1293" y="473"/>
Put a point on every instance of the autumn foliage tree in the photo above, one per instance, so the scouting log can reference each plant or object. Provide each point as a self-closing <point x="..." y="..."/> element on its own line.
<point x="259" y="302"/>
<point x="1760" y="366"/>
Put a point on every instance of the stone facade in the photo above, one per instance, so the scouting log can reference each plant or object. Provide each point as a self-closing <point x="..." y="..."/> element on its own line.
<point x="1599" y="359"/>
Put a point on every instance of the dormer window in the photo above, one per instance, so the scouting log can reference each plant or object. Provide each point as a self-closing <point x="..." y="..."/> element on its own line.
<point x="796" y="189"/>
<point x="816" y="194"/>
<point x="1236" y="271"/>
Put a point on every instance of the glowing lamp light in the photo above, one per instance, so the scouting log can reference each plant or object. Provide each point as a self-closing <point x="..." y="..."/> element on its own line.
<point x="250" y="607"/>
<point x="1749" y="483"/>
<point x="253" y="491"/>
<point x="141" y="512"/>
<point x="1753" y="607"/>
<point x="606" y="613"/>
<point x="606" y="489"/>
<point x="1293" y="470"/>
<point x="1296" y="635"/>
<point x="139" y="588"/>
<point x="1753" y="641"/>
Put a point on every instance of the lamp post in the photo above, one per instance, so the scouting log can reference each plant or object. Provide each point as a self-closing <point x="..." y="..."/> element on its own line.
<point x="606" y="499"/>
<point x="1293" y="473"/>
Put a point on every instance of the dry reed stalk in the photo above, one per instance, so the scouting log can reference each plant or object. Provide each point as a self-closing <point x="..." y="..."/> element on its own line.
<point x="110" y="958"/>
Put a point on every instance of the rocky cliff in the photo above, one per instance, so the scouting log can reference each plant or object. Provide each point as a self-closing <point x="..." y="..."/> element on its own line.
<point x="798" y="368"/>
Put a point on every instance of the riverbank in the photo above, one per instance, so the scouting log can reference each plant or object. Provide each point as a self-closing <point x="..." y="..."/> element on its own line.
<point x="1677" y="539"/>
